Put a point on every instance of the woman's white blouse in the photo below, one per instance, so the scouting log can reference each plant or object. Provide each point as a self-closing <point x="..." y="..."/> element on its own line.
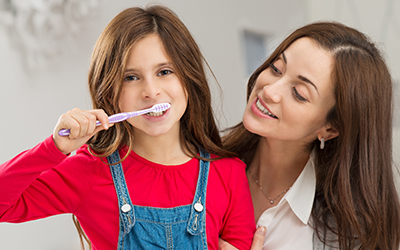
<point x="288" y="223"/>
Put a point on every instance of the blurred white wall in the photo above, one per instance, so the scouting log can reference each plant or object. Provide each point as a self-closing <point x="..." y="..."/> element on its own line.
<point x="32" y="100"/>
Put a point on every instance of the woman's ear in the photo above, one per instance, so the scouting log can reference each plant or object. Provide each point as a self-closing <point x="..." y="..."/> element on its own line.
<point x="328" y="132"/>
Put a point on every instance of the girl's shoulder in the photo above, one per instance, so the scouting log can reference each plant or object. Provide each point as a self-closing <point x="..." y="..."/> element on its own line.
<point x="85" y="156"/>
<point x="231" y="161"/>
<point x="83" y="162"/>
<point x="84" y="151"/>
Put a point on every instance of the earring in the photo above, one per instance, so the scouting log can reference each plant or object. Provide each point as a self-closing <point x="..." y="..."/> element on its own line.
<point x="322" y="146"/>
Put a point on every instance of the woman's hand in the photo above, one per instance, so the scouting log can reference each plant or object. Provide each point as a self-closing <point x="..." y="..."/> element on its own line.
<point x="82" y="126"/>
<point x="257" y="244"/>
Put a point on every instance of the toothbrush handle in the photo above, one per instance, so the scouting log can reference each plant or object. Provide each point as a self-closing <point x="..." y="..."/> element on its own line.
<point x="123" y="116"/>
<point x="116" y="118"/>
<point x="112" y="119"/>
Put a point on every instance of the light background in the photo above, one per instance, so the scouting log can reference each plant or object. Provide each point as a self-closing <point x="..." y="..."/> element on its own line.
<point x="33" y="99"/>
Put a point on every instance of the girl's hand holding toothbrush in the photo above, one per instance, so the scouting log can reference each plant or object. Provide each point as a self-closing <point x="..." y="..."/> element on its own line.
<point x="82" y="125"/>
<point x="77" y="126"/>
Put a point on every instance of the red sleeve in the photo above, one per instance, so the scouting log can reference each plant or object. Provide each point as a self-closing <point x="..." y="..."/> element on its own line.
<point x="239" y="222"/>
<point x="40" y="182"/>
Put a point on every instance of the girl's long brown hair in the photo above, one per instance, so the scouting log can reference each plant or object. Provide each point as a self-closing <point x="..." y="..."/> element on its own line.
<point x="197" y="125"/>
<point x="356" y="200"/>
<point x="108" y="62"/>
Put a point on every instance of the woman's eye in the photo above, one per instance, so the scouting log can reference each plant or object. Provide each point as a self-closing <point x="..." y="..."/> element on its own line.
<point x="297" y="96"/>
<point x="130" y="78"/>
<point x="164" y="72"/>
<point x="275" y="69"/>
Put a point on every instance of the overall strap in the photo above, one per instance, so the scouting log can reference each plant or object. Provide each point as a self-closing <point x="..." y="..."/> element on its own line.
<point x="197" y="220"/>
<point x="126" y="213"/>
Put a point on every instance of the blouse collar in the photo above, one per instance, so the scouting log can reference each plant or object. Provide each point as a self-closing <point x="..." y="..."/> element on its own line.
<point x="301" y="195"/>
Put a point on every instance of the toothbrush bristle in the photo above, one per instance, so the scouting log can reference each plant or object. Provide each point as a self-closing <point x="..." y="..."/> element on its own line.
<point x="162" y="107"/>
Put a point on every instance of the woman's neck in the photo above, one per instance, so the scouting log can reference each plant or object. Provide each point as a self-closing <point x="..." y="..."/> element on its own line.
<point x="277" y="164"/>
<point x="275" y="167"/>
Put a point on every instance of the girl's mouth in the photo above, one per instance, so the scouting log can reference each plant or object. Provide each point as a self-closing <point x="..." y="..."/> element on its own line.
<point x="264" y="110"/>
<point x="156" y="113"/>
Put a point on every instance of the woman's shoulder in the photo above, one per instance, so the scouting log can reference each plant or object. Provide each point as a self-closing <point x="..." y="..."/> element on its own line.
<point x="319" y="245"/>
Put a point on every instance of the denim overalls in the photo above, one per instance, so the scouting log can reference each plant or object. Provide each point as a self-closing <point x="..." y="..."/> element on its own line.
<point x="182" y="227"/>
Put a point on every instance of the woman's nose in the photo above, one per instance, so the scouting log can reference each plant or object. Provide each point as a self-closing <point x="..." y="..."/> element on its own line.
<point x="273" y="91"/>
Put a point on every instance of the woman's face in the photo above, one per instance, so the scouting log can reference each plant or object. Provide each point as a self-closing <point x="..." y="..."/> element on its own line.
<point x="150" y="79"/>
<point x="292" y="97"/>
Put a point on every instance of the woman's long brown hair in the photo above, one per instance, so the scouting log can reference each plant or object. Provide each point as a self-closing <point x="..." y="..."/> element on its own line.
<point x="356" y="200"/>
<point x="197" y="125"/>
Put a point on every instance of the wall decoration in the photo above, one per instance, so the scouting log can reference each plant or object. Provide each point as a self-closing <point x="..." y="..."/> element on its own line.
<point x="40" y="29"/>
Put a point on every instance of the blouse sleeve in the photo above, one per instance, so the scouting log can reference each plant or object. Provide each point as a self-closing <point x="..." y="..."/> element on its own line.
<point x="38" y="183"/>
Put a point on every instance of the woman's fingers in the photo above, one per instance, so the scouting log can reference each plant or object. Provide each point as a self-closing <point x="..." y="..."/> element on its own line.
<point x="258" y="239"/>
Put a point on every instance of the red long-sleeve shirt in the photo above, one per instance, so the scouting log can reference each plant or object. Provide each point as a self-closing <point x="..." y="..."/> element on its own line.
<point x="42" y="182"/>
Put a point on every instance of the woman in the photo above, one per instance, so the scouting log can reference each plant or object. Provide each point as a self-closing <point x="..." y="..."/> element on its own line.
<point x="317" y="140"/>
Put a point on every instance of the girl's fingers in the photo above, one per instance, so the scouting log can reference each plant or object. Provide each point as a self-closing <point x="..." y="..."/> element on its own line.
<point x="79" y="125"/>
<point x="82" y="123"/>
<point x="82" y="126"/>
<point x="102" y="117"/>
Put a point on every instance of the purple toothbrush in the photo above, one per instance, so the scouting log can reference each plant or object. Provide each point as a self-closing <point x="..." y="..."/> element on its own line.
<point x="126" y="115"/>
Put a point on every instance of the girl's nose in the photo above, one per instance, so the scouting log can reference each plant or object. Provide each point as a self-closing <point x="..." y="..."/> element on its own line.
<point x="150" y="88"/>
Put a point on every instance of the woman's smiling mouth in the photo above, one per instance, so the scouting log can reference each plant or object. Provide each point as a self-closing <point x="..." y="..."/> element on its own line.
<point x="264" y="110"/>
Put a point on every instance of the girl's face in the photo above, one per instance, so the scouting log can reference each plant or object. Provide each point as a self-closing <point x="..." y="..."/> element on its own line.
<point x="291" y="98"/>
<point x="149" y="79"/>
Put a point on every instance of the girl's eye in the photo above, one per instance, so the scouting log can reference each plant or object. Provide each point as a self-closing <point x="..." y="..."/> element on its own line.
<point x="275" y="69"/>
<point x="130" y="78"/>
<point x="164" y="72"/>
<point x="297" y="96"/>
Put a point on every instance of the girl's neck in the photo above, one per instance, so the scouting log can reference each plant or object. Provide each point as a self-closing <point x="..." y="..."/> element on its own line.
<point x="277" y="164"/>
<point x="163" y="149"/>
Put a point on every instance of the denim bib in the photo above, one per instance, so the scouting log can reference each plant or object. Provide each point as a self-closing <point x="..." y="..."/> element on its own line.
<point x="182" y="227"/>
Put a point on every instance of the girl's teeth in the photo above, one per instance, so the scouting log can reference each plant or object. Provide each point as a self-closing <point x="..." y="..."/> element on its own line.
<point x="263" y="109"/>
<point x="155" y="113"/>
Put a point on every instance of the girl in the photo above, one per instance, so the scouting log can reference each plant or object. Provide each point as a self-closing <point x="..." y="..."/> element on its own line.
<point x="317" y="140"/>
<point x="154" y="180"/>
